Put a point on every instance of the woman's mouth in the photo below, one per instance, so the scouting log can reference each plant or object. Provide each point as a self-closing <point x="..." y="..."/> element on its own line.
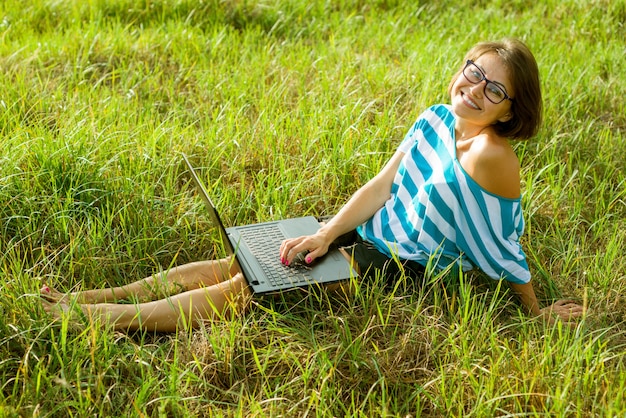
<point x="471" y="103"/>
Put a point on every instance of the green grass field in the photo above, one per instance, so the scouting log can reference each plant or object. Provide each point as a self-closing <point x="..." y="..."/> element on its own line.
<point x="287" y="107"/>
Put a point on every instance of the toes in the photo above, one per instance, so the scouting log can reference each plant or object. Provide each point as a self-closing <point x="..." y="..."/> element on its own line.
<point x="47" y="294"/>
<point x="50" y="294"/>
<point x="55" y="308"/>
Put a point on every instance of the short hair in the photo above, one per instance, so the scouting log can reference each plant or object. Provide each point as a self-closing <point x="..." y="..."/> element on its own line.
<point x="526" y="107"/>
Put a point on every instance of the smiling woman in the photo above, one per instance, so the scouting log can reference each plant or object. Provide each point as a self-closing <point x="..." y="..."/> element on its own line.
<point x="449" y="196"/>
<point x="451" y="193"/>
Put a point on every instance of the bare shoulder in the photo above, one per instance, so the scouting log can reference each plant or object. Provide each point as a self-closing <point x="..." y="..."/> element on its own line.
<point x="492" y="163"/>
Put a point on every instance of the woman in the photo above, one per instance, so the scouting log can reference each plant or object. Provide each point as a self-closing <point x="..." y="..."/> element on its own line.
<point x="449" y="196"/>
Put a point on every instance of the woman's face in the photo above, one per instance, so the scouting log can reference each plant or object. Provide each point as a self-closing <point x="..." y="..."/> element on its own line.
<point x="468" y="98"/>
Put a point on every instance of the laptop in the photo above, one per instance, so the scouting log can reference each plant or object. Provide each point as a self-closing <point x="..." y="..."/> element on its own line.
<point x="255" y="248"/>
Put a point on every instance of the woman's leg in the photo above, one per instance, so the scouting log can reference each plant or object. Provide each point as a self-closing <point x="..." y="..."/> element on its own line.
<point x="192" y="307"/>
<point x="186" y="277"/>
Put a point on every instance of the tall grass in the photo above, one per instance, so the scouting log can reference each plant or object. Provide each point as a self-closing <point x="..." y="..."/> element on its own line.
<point x="287" y="107"/>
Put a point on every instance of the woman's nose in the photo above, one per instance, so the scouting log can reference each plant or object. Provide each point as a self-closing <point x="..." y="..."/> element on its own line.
<point x="478" y="89"/>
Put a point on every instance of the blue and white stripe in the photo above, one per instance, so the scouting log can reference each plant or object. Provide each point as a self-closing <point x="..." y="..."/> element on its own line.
<point x="438" y="212"/>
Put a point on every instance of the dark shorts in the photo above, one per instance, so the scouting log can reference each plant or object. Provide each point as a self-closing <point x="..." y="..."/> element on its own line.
<point x="373" y="263"/>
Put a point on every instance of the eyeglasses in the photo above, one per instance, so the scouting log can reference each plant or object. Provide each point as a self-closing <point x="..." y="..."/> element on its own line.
<point x="495" y="93"/>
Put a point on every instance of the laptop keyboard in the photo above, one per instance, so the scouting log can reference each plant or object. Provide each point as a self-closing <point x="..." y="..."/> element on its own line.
<point x="264" y="243"/>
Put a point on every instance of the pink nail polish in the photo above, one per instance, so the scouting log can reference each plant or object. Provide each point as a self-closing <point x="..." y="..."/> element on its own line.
<point x="308" y="260"/>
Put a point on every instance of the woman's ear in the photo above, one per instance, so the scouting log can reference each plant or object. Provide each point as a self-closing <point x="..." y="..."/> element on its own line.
<point x="507" y="117"/>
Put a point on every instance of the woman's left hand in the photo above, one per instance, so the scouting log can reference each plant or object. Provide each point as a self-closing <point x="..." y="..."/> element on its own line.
<point x="564" y="309"/>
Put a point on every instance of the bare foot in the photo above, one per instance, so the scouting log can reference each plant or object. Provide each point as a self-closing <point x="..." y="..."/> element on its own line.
<point x="55" y="309"/>
<point x="60" y="309"/>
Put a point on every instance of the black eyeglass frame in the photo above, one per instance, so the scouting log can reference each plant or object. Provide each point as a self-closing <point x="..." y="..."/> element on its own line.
<point x="483" y="78"/>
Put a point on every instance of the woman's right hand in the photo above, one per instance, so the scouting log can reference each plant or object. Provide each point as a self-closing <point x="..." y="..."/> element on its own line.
<point x="315" y="246"/>
<point x="361" y="207"/>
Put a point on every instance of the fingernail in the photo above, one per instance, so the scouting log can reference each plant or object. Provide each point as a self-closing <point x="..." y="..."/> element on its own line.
<point x="46" y="289"/>
<point x="308" y="260"/>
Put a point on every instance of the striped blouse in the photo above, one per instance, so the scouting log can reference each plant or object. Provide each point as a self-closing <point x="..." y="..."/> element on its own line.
<point x="438" y="215"/>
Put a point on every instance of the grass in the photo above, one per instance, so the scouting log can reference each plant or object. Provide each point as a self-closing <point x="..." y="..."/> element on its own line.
<point x="288" y="107"/>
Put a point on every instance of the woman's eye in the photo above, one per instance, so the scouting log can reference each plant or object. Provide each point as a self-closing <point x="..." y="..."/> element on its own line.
<point x="496" y="91"/>
<point x="477" y="75"/>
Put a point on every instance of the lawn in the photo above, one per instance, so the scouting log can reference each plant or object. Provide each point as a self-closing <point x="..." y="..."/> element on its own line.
<point x="286" y="107"/>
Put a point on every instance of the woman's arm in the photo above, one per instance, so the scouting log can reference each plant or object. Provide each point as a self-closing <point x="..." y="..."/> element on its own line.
<point x="526" y="294"/>
<point x="491" y="162"/>
<point x="361" y="206"/>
